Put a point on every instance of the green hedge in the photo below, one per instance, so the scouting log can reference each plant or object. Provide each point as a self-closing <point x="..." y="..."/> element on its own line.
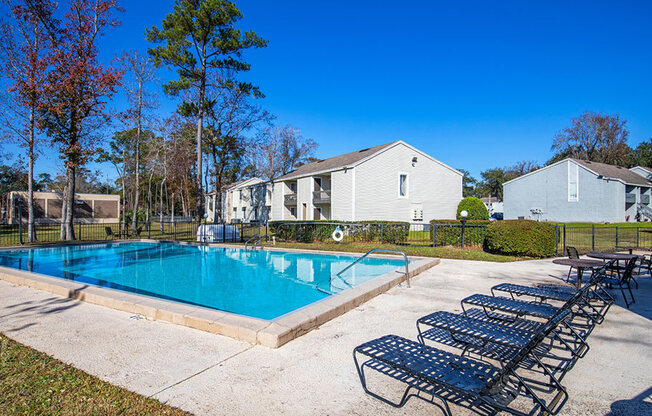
<point x="475" y="207"/>
<point x="364" y="231"/>
<point x="521" y="238"/>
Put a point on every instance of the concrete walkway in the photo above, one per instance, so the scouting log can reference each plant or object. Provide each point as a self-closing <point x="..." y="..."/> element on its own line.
<point x="314" y="374"/>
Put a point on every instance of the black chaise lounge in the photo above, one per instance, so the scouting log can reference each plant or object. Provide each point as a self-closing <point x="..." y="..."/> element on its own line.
<point x="500" y="337"/>
<point x="456" y="378"/>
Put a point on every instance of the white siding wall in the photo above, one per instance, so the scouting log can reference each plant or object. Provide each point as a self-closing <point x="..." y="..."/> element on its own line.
<point x="436" y="187"/>
<point x="599" y="200"/>
<point x="341" y="195"/>
<point x="304" y="196"/>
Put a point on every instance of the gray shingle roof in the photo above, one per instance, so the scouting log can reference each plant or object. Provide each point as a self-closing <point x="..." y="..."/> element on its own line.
<point x="615" y="172"/>
<point x="333" y="163"/>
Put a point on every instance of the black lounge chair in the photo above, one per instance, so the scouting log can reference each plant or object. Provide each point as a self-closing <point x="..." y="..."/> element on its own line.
<point x="510" y="307"/>
<point x="516" y="308"/>
<point x="544" y="294"/>
<point x="497" y="335"/>
<point x="452" y="377"/>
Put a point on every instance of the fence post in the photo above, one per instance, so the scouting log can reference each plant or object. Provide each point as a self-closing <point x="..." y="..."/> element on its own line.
<point x="149" y="230"/>
<point x="20" y="223"/>
<point x="382" y="233"/>
<point x="592" y="237"/>
<point x="564" y="238"/>
<point x="616" y="237"/>
<point x="174" y="229"/>
<point x="637" y="236"/>
<point x="434" y="234"/>
<point x="556" y="239"/>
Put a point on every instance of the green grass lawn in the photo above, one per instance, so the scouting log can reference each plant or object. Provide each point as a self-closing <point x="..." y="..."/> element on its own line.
<point x="33" y="383"/>
<point x="441" y="252"/>
<point x="587" y="237"/>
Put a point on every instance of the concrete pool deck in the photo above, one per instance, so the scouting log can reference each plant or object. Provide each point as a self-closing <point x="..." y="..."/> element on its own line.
<point x="314" y="374"/>
<point x="270" y="333"/>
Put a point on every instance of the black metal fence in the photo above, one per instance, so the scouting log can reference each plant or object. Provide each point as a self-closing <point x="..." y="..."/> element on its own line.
<point x="17" y="234"/>
<point x="458" y="235"/>
<point x="592" y="238"/>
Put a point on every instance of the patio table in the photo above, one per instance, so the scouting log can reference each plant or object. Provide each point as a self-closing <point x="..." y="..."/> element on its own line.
<point x="580" y="265"/>
<point x="611" y="256"/>
<point x="615" y="256"/>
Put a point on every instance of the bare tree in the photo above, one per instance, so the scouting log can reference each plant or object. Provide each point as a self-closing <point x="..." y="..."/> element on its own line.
<point x="595" y="137"/>
<point x="280" y="150"/>
<point x="229" y="118"/>
<point x="22" y="51"/>
<point x="140" y="72"/>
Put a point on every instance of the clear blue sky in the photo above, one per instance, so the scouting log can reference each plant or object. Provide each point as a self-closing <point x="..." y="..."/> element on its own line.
<point x="476" y="84"/>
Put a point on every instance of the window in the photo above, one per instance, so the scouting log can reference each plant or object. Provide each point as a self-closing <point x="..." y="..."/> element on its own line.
<point x="573" y="189"/>
<point x="402" y="185"/>
<point x="293" y="212"/>
<point x="240" y="194"/>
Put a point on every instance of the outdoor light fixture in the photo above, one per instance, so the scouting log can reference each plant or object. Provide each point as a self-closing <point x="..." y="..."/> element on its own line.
<point x="414" y="161"/>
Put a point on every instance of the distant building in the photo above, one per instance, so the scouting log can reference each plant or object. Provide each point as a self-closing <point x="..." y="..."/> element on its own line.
<point x="391" y="182"/>
<point x="89" y="208"/>
<point x="248" y="200"/>
<point x="574" y="190"/>
<point x="493" y="204"/>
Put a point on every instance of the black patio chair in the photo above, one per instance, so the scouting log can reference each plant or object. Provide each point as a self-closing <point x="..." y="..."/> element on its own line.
<point x="645" y="263"/>
<point x="623" y="281"/>
<point x="109" y="232"/>
<point x="572" y="254"/>
<point x="455" y="378"/>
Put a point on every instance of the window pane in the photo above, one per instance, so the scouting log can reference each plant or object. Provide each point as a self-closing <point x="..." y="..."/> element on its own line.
<point x="402" y="185"/>
<point x="572" y="190"/>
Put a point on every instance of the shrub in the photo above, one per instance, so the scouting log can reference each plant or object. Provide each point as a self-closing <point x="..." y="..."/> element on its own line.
<point x="475" y="207"/>
<point x="521" y="238"/>
<point x="364" y="231"/>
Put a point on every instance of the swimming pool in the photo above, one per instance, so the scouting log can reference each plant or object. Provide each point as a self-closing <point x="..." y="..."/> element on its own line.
<point x="261" y="284"/>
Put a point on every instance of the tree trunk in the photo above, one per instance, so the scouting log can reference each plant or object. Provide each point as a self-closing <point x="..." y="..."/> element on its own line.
<point x="172" y="207"/>
<point x="134" y="219"/>
<point x="68" y="217"/>
<point x="160" y="207"/>
<point x="200" y="128"/>
<point x="31" y="232"/>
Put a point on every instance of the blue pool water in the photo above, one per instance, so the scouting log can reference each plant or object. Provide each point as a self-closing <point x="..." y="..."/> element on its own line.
<point x="262" y="284"/>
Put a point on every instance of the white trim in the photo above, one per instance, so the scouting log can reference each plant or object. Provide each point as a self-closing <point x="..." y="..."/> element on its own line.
<point x="407" y="185"/>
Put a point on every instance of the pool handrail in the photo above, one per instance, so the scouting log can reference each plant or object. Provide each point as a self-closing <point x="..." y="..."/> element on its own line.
<point x="373" y="250"/>
<point x="251" y="238"/>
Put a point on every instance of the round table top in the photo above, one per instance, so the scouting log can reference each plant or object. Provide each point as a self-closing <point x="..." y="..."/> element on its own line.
<point x="579" y="262"/>
<point x="611" y="256"/>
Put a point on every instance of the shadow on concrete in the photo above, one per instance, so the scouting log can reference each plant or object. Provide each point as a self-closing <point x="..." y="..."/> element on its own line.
<point x="20" y="328"/>
<point x="640" y="404"/>
<point x="44" y="307"/>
